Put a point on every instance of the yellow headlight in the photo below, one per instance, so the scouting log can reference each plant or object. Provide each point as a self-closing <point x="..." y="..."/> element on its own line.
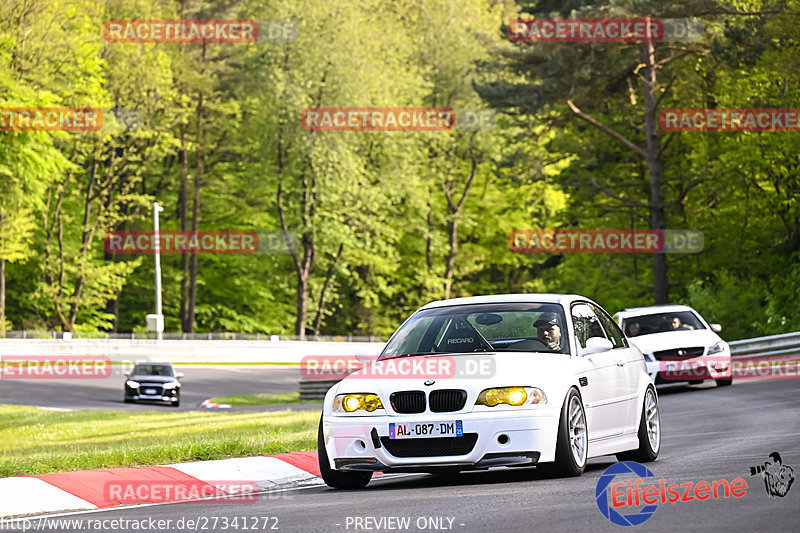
<point x="507" y="395"/>
<point x="517" y="396"/>
<point x="353" y="402"/>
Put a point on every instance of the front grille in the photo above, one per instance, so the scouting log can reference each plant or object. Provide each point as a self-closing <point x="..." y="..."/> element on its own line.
<point x="158" y="387"/>
<point x="410" y="401"/>
<point x="446" y="400"/>
<point x="679" y="353"/>
<point x="433" y="447"/>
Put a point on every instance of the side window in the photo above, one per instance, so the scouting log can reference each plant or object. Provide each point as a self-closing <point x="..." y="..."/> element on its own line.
<point x="613" y="332"/>
<point x="586" y="323"/>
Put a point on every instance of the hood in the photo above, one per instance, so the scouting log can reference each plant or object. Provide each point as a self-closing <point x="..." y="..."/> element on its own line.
<point x="502" y="369"/>
<point x="675" y="339"/>
<point x="153" y="379"/>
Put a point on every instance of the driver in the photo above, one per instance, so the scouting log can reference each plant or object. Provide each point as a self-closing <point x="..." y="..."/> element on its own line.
<point x="549" y="332"/>
<point x="677" y="324"/>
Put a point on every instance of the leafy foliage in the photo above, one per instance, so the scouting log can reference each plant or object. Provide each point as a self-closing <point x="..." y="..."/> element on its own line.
<point x="387" y="221"/>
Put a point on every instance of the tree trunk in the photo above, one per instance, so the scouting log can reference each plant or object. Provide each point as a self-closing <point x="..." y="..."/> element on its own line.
<point x="429" y="239"/>
<point x="183" y="155"/>
<point x="452" y="233"/>
<point x="197" y="182"/>
<point x="302" y="306"/>
<point x="2" y="295"/>
<point x="454" y="210"/>
<point x="183" y="212"/>
<point x="323" y="292"/>
<point x="86" y="239"/>
<point x="658" y="220"/>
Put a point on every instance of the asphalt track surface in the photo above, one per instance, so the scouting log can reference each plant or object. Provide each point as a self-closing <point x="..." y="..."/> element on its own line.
<point x="198" y="384"/>
<point x="708" y="434"/>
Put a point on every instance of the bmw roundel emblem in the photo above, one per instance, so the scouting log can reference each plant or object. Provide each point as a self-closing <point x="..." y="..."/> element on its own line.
<point x="429" y="382"/>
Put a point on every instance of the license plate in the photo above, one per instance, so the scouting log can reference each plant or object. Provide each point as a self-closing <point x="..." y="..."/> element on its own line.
<point x="414" y="430"/>
<point x="149" y="391"/>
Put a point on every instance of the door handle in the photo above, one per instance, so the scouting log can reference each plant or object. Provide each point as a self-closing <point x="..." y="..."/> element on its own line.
<point x="620" y="362"/>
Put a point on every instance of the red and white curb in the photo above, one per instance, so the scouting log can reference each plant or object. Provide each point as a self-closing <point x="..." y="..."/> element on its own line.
<point x="77" y="491"/>
<point x="211" y="405"/>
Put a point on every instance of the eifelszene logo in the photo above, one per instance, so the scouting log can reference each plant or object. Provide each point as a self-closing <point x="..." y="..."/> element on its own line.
<point x="612" y="498"/>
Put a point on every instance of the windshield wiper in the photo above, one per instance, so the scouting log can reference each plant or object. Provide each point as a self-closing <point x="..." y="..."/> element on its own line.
<point x="415" y="354"/>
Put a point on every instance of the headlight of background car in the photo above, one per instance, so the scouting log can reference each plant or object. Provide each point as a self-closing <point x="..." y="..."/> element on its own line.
<point x="716" y="348"/>
<point x="171" y="385"/>
<point x="132" y="384"/>
<point x="350" y="403"/>
<point x="511" y="396"/>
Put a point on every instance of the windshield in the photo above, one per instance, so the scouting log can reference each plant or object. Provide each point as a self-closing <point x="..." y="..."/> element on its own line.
<point x="516" y="327"/>
<point x="152" y="370"/>
<point x="661" y="323"/>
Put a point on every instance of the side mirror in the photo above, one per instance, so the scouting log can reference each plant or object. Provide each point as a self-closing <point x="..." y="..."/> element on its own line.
<point x="179" y="375"/>
<point x="716" y="328"/>
<point x="366" y="358"/>
<point x="596" y="345"/>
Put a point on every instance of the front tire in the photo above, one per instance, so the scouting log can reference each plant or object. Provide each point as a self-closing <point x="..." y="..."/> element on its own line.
<point x="572" y="444"/>
<point x="649" y="432"/>
<point x="336" y="478"/>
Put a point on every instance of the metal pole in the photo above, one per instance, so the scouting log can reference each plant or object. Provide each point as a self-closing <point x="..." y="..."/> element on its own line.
<point x="156" y="209"/>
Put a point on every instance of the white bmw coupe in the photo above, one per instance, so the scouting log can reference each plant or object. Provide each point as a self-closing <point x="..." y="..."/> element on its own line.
<point x="531" y="379"/>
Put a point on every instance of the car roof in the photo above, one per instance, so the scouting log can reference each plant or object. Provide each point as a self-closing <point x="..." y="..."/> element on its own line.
<point x="507" y="298"/>
<point x="654" y="309"/>
<point x="154" y="364"/>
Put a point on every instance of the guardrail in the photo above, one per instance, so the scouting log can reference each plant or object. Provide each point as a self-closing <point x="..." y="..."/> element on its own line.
<point x="171" y="335"/>
<point x="315" y="389"/>
<point x="189" y="351"/>
<point x="787" y="344"/>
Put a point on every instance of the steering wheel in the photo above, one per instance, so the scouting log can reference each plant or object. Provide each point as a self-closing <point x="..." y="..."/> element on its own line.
<point x="525" y="346"/>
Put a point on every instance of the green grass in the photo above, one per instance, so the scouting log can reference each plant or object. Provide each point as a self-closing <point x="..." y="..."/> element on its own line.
<point x="261" y="399"/>
<point x="35" y="441"/>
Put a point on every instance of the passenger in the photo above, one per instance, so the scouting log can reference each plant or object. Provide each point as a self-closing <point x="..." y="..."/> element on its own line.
<point x="634" y="329"/>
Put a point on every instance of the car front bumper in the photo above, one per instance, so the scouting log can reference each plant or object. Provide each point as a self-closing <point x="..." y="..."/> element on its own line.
<point x="169" y="396"/>
<point x="504" y="438"/>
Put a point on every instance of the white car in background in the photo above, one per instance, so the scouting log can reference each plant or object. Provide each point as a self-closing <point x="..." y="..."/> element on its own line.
<point x="565" y="385"/>
<point x="676" y="336"/>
